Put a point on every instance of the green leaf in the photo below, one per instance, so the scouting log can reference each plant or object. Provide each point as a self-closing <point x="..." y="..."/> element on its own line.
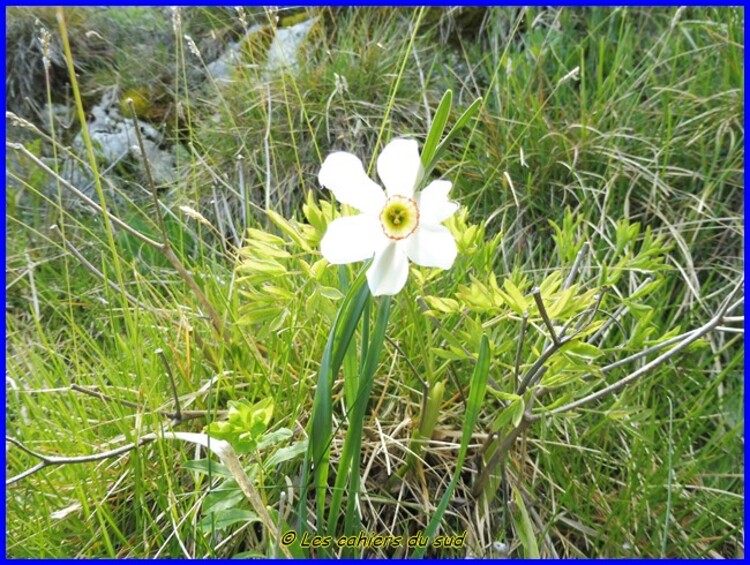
<point x="286" y="454"/>
<point x="207" y="467"/>
<point x="267" y="267"/>
<point x="322" y="419"/>
<point x="514" y="297"/>
<point x="288" y="229"/>
<point x="353" y="439"/>
<point x="510" y="414"/>
<point x="226" y="518"/>
<point x="277" y="436"/>
<point x="227" y="495"/>
<point x="460" y="123"/>
<point x="581" y="349"/>
<point x="330" y="292"/>
<point x="445" y="305"/>
<point x="561" y="301"/>
<point x="506" y="396"/>
<point x="474" y="404"/>
<point x="438" y="126"/>
<point x="524" y="527"/>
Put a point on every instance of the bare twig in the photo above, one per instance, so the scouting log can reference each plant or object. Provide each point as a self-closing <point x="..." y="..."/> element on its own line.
<point x="682" y="341"/>
<point x="534" y="374"/>
<point x="594" y="311"/>
<point x="519" y="350"/>
<point x="279" y="522"/>
<point x="243" y="195"/>
<point x="576" y="265"/>
<point x="165" y="246"/>
<point x="537" y="294"/>
<point x="712" y="324"/>
<point x="96" y="272"/>
<point x="267" y="150"/>
<point x="490" y="381"/>
<point x="221" y="448"/>
<point x="50" y="460"/>
<point x="185" y="415"/>
<point x="209" y="353"/>
<point x="173" y="385"/>
<point x="149" y="176"/>
<point x="601" y="333"/>
<point x="425" y="384"/>
<point x="115" y="220"/>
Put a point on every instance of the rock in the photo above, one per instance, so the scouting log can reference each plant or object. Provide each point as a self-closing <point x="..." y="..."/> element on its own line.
<point x="282" y="53"/>
<point x="114" y="139"/>
<point x="284" y="49"/>
<point x="221" y="69"/>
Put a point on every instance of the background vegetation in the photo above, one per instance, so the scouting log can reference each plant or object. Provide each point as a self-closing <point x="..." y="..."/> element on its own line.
<point x="618" y="128"/>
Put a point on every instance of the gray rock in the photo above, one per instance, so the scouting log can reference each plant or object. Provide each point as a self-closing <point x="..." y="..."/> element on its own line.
<point x="114" y="139"/>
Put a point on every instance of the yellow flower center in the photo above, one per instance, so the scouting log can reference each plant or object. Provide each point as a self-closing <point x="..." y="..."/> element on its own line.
<point x="400" y="217"/>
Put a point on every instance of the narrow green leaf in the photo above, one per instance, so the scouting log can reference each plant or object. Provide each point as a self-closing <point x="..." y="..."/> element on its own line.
<point x="438" y="126"/>
<point x="207" y="466"/>
<point x="524" y="528"/>
<point x="286" y="454"/>
<point x="356" y="417"/>
<point x="473" y="406"/>
<point x="518" y="301"/>
<point x="582" y="349"/>
<point x="333" y="355"/>
<point x="226" y="518"/>
<point x="460" y="123"/>
<point x="510" y="414"/>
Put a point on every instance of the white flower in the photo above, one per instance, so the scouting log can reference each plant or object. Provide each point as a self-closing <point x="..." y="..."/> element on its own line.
<point x="394" y="226"/>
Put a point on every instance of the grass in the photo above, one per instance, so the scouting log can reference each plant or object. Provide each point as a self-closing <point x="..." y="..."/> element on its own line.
<point x="648" y="131"/>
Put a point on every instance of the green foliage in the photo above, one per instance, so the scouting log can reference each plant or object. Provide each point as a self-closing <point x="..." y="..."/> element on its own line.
<point x="246" y="424"/>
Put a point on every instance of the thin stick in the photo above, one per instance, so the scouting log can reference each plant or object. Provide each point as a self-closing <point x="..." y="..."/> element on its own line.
<point x="490" y="381"/>
<point x="534" y="374"/>
<point x="595" y="310"/>
<point x="279" y="523"/>
<point x="188" y="278"/>
<point x="267" y="150"/>
<point x="221" y="448"/>
<point x="632" y="377"/>
<point x="149" y="176"/>
<point x="172" y="384"/>
<point x="524" y="322"/>
<point x="576" y="265"/>
<point x="96" y="272"/>
<point x="159" y="313"/>
<point x="185" y="414"/>
<point x="539" y="365"/>
<point x="537" y="294"/>
<point x="50" y="460"/>
<point x="243" y="195"/>
<point x="425" y="384"/>
<point x="600" y="334"/>
<point x="165" y="247"/>
<point x="115" y="220"/>
<point x="32" y="284"/>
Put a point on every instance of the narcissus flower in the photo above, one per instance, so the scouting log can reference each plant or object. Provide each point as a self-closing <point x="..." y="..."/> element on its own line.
<point x="395" y="225"/>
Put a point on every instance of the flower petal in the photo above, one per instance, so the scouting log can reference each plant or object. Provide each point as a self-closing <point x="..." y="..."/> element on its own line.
<point x="432" y="246"/>
<point x="434" y="206"/>
<point x="389" y="270"/>
<point x="344" y="175"/>
<point x="351" y="238"/>
<point x="400" y="168"/>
